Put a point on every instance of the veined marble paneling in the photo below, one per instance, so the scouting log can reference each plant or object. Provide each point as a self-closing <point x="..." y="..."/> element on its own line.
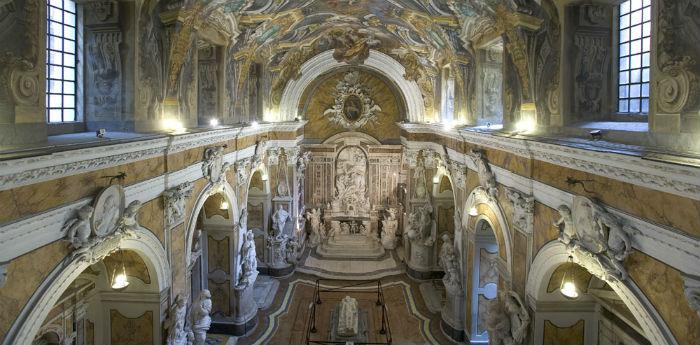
<point x="25" y="274"/>
<point x="663" y="286"/>
<point x="178" y="263"/>
<point x="572" y="335"/>
<point x="151" y="217"/>
<point x="486" y="210"/>
<point x="519" y="262"/>
<point x="212" y="206"/>
<point x="27" y="200"/>
<point x="131" y="331"/>
<point x="135" y="266"/>
<point x="544" y="230"/>
<point x="322" y="97"/>
<point x="645" y="203"/>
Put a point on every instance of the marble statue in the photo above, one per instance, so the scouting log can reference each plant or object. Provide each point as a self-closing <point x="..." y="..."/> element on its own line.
<point x="213" y="167"/>
<point x="348" y="321"/>
<point x="523" y="209"/>
<point x="291" y="251"/>
<point x="419" y="176"/>
<point x="175" y="323"/>
<point x="421" y="226"/>
<point x="389" y="226"/>
<point x="78" y="230"/>
<point x="249" y="261"/>
<point x="507" y="320"/>
<point x="334" y="230"/>
<point x="350" y="181"/>
<point x="314" y="217"/>
<point x="279" y="221"/>
<point x="199" y="318"/>
<point x="449" y="264"/>
<point x="175" y="202"/>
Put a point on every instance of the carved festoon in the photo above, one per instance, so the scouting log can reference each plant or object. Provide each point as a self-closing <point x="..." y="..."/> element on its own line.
<point x="523" y="209"/>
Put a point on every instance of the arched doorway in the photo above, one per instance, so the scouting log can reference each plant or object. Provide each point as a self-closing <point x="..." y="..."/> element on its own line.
<point x="259" y="205"/>
<point x="484" y="279"/>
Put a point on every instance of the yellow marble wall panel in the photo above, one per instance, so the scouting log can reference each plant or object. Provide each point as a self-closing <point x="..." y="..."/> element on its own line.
<point x="39" y="197"/>
<point x="519" y="262"/>
<point x="220" y="298"/>
<point x="663" y="208"/>
<point x="89" y="332"/>
<point x="544" y="230"/>
<point x="178" y="265"/>
<point x="181" y="160"/>
<point x="212" y="206"/>
<point x="24" y="275"/>
<point x="663" y="286"/>
<point x="9" y="209"/>
<point x="151" y="217"/>
<point x="218" y="254"/>
<point x="486" y="210"/>
<point x="323" y="98"/>
<point x="131" y="331"/>
<point x="573" y="335"/>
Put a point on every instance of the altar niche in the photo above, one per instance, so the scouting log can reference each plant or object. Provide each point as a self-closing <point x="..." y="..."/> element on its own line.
<point x="352" y="179"/>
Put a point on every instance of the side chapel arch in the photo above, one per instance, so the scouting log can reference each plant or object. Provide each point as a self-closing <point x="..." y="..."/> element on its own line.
<point x="555" y="254"/>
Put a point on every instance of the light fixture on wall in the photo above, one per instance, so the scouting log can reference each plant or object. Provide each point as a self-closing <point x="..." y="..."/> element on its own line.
<point x="254" y="124"/>
<point x="436" y="179"/>
<point x="473" y="211"/>
<point x="568" y="282"/>
<point x="264" y="176"/>
<point x="214" y="122"/>
<point x="120" y="280"/>
<point x="224" y="205"/>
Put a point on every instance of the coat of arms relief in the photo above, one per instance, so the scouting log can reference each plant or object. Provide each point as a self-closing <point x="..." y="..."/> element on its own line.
<point x="353" y="108"/>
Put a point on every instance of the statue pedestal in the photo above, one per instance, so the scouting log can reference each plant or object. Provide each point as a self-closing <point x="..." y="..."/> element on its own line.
<point x="453" y="315"/>
<point x="279" y="266"/>
<point x="351" y="246"/>
<point x="418" y="262"/>
<point x="244" y="316"/>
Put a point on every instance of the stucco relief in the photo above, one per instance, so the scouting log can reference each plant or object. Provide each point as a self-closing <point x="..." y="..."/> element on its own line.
<point x="354" y="107"/>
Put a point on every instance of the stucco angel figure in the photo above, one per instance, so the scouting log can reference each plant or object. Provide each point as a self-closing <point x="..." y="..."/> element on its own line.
<point x="314" y="218"/>
<point x="199" y="318"/>
<point x="78" y="230"/>
<point x="420" y="223"/>
<point x="129" y="220"/>
<point x="279" y="221"/>
<point x="565" y="225"/>
<point x="175" y="323"/>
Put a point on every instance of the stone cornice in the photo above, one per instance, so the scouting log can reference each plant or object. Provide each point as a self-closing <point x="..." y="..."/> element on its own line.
<point x="25" y="171"/>
<point x="665" y="177"/>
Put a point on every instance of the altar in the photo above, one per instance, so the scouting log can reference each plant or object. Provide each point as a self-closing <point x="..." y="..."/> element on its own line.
<point x="350" y="232"/>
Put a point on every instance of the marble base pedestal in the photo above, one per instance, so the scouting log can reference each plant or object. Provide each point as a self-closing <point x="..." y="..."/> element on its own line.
<point x="452" y="314"/>
<point x="419" y="260"/>
<point x="244" y="317"/>
<point x="278" y="258"/>
<point x="351" y="247"/>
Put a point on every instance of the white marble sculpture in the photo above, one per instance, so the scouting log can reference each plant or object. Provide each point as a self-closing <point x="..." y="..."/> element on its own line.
<point x="291" y="251"/>
<point x="334" y="230"/>
<point x="389" y="226"/>
<point x="249" y="261"/>
<point x="523" y="209"/>
<point x="507" y="320"/>
<point x="279" y="221"/>
<point x="596" y="238"/>
<point x="213" y="166"/>
<point x="487" y="179"/>
<point x="421" y="226"/>
<point x="449" y="264"/>
<point x="128" y="220"/>
<point x="175" y="323"/>
<point x="175" y="202"/>
<point x="421" y="190"/>
<point x="199" y="318"/>
<point x="350" y="182"/>
<point x="314" y="218"/>
<point x="348" y="320"/>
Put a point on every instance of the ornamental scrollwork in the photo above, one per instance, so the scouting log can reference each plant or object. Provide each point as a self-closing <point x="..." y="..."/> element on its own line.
<point x="353" y="107"/>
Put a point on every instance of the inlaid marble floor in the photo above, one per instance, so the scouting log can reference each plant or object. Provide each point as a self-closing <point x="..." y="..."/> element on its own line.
<point x="285" y="321"/>
<point x="313" y="263"/>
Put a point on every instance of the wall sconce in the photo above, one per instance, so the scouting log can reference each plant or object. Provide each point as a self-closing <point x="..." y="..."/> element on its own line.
<point x="473" y="212"/>
<point x="174" y="126"/>
<point x="120" y="281"/>
<point x="255" y="124"/>
<point x="436" y="179"/>
<point x="264" y="176"/>
<point x="568" y="283"/>
<point x="214" y="122"/>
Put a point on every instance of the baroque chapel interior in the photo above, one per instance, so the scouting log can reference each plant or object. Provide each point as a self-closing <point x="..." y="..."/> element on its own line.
<point x="220" y="172"/>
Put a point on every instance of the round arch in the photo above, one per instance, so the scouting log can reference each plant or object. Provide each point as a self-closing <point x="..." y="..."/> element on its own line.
<point x="324" y="62"/>
<point x="29" y="322"/>
<point x="554" y="254"/>
<point x="209" y="190"/>
<point x="480" y="196"/>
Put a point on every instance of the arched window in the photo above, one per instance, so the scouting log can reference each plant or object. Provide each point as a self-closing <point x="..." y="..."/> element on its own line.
<point x="634" y="56"/>
<point x="61" y="61"/>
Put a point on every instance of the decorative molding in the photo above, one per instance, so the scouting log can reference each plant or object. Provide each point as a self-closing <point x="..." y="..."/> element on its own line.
<point x="691" y="286"/>
<point x="25" y="171"/>
<point x="665" y="177"/>
<point x="523" y="209"/>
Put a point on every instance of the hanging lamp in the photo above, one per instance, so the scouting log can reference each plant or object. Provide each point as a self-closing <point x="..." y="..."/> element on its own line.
<point x="568" y="282"/>
<point x="120" y="281"/>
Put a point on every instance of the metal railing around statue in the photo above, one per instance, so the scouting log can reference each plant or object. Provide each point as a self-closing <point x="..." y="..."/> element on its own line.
<point x="385" y="329"/>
